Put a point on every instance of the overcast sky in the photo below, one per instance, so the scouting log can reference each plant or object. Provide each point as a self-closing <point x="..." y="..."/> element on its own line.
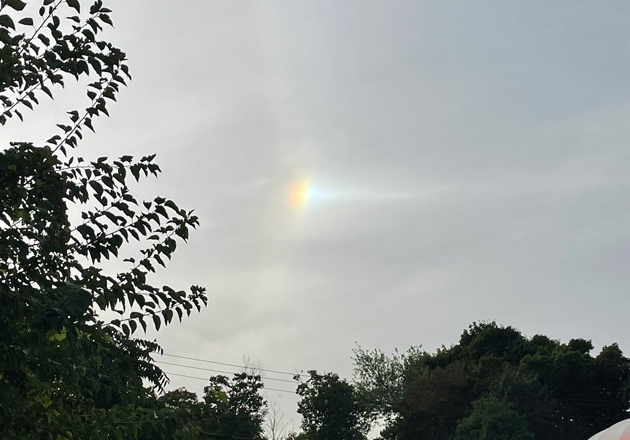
<point x="467" y="161"/>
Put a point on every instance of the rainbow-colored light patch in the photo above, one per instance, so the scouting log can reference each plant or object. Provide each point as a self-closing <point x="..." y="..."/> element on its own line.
<point x="300" y="194"/>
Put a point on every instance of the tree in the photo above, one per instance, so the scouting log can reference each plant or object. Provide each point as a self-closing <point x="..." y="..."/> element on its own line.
<point x="557" y="390"/>
<point x="331" y="409"/>
<point x="230" y="408"/>
<point x="275" y="425"/>
<point x="64" y="372"/>
<point x="184" y="411"/>
<point x="433" y="403"/>
<point x="379" y="380"/>
<point x="234" y="408"/>
<point x="492" y="419"/>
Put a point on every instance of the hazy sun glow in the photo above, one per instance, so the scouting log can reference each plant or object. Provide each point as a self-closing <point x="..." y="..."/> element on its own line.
<point x="301" y="192"/>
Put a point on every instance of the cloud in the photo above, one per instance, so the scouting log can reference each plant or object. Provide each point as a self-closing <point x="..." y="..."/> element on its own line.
<point x="478" y="155"/>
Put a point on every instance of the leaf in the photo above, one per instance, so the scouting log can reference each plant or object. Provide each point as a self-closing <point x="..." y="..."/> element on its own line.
<point x="117" y="240"/>
<point x="96" y="65"/>
<point x="105" y="18"/>
<point x="28" y="21"/>
<point x="171" y="205"/>
<point x="159" y="260"/>
<point x="109" y="94"/>
<point x="161" y="210"/>
<point x="74" y="115"/>
<point x="74" y="4"/>
<point x="18" y="5"/>
<point x="44" y="39"/>
<point x="86" y="231"/>
<point x="182" y="231"/>
<point x="47" y="91"/>
<point x="157" y="322"/>
<point x="168" y="315"/>
<point x="125" y="70"/>
<point x="54" y="336"/>
<point x="108" y="181"/>
<point x="135" y="170"/>
<point x="6" y="21"/>
<point x="98" y="188"/>
<point x="89" y="34"/>
<point x="82" y="67"/>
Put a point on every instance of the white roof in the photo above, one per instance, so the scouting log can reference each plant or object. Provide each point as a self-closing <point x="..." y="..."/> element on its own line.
<point x="618" y="431"/>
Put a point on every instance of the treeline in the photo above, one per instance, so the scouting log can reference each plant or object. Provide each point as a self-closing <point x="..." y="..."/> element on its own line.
<point x="494" y="384"/>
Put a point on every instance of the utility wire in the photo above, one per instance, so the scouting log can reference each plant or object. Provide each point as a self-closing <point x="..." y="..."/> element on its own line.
<point x="228" y="365"/>
<point x="218" y="434"/>
<point x="205" y="378"/>
<point x="221" y="371"/>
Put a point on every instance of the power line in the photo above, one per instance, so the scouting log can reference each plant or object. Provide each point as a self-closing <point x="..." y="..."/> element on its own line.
<point x="221" y="371"/>
<point x="218" y="434"/>
<point x="229" y="365"/>
<point x="205" y="379"/>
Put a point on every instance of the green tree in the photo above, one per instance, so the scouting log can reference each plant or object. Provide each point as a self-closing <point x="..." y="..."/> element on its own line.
<point x="183" y="411"/>
<point x="331" y="409"/>
<point x="230" y="408"/>
<point x="64" y="371"/>
<point x="432" y="403"/>
<point x="234" y="408"/>
<point x="380" y="378"/>
<point x="558" y="390"/>
<point x="493" y="419"/>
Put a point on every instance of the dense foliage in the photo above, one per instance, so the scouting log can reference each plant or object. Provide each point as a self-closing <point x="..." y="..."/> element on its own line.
<point x="230" y="408"/>
<point x="331" y="409"/>
<point x="496" y="384"/>
<point x="64" y="371"/>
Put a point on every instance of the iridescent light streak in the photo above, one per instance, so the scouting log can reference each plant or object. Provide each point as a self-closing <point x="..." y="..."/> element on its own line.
<point x="301" y="193"/>
<point x="304" y="194"/>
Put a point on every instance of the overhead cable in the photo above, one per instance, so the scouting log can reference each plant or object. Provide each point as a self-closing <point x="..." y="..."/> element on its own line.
<point x="221" y="371"/>
<point x="228" y="364"/>
<point x="205" y="378"/>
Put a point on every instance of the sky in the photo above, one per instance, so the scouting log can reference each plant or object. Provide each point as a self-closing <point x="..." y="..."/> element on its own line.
<point x="381" y="173"/>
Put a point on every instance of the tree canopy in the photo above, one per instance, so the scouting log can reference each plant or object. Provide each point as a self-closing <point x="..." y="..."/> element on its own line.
<point x="331" y="409"/>
<point x="65" y="372"/>
<point x="229" y="408"/>
<point x="496" y="383"/>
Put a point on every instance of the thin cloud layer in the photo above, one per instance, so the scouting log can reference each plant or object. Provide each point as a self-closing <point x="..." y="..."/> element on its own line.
<point x="478" y="155"/>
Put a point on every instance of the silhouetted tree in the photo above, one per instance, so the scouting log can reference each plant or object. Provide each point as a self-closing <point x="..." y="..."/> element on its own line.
<point x="230" y="408"/>
<point x="557" y="390"/>
<point x="64" y="371"/>
<point x="331" y="409"/>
